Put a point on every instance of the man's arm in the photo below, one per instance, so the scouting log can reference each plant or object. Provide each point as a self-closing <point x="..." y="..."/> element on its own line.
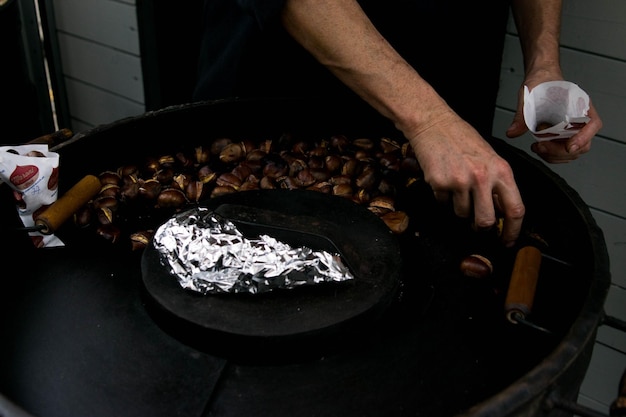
<point x="457" y="162"/>
<point x="539" y="26"/>
<point x="342" y="38"/>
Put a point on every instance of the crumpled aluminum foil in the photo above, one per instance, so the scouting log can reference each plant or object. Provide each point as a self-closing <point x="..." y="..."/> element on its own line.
<point x="208" y="254"/>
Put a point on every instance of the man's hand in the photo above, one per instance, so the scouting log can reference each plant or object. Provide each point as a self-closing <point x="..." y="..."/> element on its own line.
<point x="460" y="165"/>
<point x="560" y="150"/>
<point x="457" y="162"/>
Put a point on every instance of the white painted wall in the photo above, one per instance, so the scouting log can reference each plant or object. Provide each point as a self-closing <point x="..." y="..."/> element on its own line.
<point x="100" y="58"/>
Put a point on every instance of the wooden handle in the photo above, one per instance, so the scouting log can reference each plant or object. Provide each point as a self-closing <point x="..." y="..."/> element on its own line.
<point x="52" y="139"/>
<point x="77" y="196"/>
<point x="521" y="293"/>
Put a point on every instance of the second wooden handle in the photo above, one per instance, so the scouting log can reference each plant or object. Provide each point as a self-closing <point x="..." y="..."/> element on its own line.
<point x="521" y="292"/>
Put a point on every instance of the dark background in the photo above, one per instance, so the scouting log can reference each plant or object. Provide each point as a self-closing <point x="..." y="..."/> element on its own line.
<point x="169" y="41"/>
<point x="25" y="111"/>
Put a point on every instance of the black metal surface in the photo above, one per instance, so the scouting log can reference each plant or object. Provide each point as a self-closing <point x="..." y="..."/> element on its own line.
<point x="286" y="323"/>
<point x="82" y="342"/>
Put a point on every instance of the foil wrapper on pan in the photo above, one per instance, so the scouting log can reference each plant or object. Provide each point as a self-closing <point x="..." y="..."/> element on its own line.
<point x="208" y="254"/>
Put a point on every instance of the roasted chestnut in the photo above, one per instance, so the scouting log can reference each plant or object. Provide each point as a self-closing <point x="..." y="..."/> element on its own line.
<point x="109" y="232"/>
<point x="343" y="190"/>
<point x="324" y="187"/>
<point x="333" y="163"/>
<point x="476" y="266"/>
<point x="107" y="201"/>
<point x="364" y="143"/>
<point x="183" y="160"/>
<point x="150" y="189"/>
<point x="255" y="155"/>
<point x="167" y="161"/>
<point x="83" y="216"/>
<point x="222" y="190"/>
<point x="125" y="170"/>
<point x="130" y="188"/>
<point x="229" y="179"/>
<point x="232" y="152"/>
<point x="165" y="175"/>
<point x="139" y="240"/>
<point x="105" y="215"/>
<point x="242" y="171"/>
<point x="202" y="155"/>
<point x="383" y="202"/>
<point x="275" y="169"/>
<point x="195" y="191"/>
<point x="171" y="198"/>
<point x="396" y="221"/>
<point x="267" y="183"/>
<point x="206" y="174"/>
<point x="109" y="190"/>
<point x="218" y="144"/>
<point x="389" y="145"/>
<point x="110" y="177"/>
<point x="339" y="142"/>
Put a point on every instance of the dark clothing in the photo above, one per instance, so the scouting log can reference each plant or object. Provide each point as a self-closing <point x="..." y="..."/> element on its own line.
<point x="455" y="45"/>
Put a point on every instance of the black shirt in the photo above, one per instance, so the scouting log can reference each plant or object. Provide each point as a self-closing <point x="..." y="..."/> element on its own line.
<point x="455" y="45"/>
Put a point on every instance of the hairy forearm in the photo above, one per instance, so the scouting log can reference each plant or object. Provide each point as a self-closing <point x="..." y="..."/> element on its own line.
<point x="539" y="24"/>
<point x="341" y="37"/>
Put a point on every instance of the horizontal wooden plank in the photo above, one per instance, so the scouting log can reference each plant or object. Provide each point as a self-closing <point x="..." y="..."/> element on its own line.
<point x="614" y="229"/>
<point x="615" y="306"/>
<point x="103" y="67"/>
<point x="110" y="23"/>
<point x="598" y="176"/>
<point x="601" y="37"/>
<point x="603" y="376"/>
<point x="597" y="26"/>
<point x="612" y="337"/>
<point x="603" y="79"/>
<point x="592" y="403"/>
<point x="95" y="107"/>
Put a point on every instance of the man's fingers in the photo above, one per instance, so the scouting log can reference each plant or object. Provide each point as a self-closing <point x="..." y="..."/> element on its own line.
<point x="462" y="201"/>
<point x="510" y="202"/>
<point x="484" y="208"/>
<point x="441" y="196"/>
<point x="559" y="151"/>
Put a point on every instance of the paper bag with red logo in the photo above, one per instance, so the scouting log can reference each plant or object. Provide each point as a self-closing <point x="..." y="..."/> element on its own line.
<point x="555" y="110"/>
<point x="33" y="173"/>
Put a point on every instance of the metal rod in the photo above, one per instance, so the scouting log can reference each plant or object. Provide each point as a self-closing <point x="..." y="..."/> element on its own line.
<point x="37" y="228"/>
<point x="557" y="260"/>
<point x="518" y="317"/>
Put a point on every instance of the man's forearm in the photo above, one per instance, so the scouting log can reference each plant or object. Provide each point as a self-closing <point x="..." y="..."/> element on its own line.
<point x="539" y="24"/>
<point x="341" y="37"/>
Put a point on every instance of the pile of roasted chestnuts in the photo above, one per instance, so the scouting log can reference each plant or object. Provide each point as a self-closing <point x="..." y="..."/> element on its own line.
<point x="369" y="172"/>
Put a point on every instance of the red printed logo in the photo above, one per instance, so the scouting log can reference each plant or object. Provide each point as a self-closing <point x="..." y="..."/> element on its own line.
<point x="53" y="182"/>
<point x="24" y="176"/>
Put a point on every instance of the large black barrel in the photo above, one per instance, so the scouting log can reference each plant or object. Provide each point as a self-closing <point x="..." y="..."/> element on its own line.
<point x="80" y="336"/>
